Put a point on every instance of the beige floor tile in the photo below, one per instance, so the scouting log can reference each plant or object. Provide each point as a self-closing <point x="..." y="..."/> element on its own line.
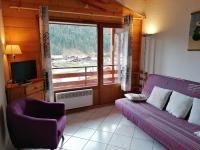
<point x="93" y="123"/>
<point x="74" y="144"/>
<point x="91" y="145"/>
<point x="127" y="122"/>
<point x="84" y="133"/>
<point x="120" y="141"/>
<point x="70" y="130"/>
<point x="108" y="126"/>
<point x="113" y="118"/>
<point x="101" y="136"/>
<point x="125" y="130"/>
<point x="138" y="144"/>
<point x="110" y="147"/>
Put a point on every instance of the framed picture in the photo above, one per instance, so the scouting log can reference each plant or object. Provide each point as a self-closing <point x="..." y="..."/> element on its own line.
<point x="194" y="35"/>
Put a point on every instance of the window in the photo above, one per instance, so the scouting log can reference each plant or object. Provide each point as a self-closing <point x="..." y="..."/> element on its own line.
<point x="74" y="54"/>
<point x="111" y="55"/>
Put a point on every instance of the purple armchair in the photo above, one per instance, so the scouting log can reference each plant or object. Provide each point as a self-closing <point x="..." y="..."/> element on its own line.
<point x="35" y="124"/>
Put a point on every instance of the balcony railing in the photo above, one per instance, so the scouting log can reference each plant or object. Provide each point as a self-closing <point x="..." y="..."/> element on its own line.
<point x="75" y="77"/>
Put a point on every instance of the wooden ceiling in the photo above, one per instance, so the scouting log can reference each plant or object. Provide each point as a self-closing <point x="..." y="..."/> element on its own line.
<point x="101" y="7"/>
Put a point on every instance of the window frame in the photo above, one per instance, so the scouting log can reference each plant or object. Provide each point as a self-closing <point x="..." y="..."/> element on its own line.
<point x="100" y="26"/>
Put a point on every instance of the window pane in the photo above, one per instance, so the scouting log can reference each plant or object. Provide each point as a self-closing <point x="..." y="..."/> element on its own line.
<point x="111" y="43"/>
<point x="74" y="54"/>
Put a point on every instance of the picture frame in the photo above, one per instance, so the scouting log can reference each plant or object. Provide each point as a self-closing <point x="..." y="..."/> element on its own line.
<point x="194" y="33"/>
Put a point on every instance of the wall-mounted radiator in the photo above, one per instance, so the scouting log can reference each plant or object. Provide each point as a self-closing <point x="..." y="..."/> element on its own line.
<point x="75" y="99"/>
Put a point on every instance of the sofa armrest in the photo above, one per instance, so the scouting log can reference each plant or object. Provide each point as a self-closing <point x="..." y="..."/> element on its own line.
<point x="50" y="109"/>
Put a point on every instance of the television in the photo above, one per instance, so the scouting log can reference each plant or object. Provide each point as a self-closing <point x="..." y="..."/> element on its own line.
<point x="23" y="71"/>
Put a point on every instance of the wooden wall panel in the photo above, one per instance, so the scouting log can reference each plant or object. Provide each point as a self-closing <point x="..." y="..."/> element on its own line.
<point x="21" y="27"/>
<point x="137" y="35"/>
<point x="109" y="93"/>
<point x="21" y="35"/>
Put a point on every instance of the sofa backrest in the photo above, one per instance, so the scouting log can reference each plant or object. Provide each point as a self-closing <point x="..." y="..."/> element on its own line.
<point x="186" y="87"/>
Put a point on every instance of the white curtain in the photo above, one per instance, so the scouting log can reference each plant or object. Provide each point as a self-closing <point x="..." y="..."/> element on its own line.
<point x="148" y="54"/>
<point x="46" y="54"/>
<point x="126" y="55"/>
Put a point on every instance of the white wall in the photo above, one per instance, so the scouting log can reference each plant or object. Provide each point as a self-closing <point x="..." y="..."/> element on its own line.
<point x="136" y="5"/>
<point x="171" y="19"/>
<point x="3" y="130"/>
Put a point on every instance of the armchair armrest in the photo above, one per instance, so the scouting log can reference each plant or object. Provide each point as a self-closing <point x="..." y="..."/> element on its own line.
<point x="47" y="109"/>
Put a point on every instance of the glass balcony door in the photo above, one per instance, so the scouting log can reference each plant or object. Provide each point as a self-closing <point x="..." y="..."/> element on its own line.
<point x="111" y="55"/>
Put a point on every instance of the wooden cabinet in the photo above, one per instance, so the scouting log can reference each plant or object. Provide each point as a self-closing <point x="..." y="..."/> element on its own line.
<point x="34" y="90"/>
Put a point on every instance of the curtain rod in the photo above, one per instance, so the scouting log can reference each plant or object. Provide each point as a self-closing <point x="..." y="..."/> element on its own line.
<point x="70" y="12"/>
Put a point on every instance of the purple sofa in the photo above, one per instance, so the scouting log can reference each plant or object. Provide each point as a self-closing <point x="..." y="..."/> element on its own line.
<point x="173" y="133"/>
<point x="35" y="124"/>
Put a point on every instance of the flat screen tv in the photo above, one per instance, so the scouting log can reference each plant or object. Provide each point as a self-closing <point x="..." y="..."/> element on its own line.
<point x="23" y="71"/>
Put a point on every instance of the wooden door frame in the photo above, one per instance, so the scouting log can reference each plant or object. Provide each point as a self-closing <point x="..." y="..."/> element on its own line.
<point x="100" y="60"/>
<point x="100" y="26"/>
<point x="106" y="90"/>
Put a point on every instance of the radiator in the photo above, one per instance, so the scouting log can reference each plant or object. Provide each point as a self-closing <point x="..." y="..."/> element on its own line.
<point x="75" y="99"/>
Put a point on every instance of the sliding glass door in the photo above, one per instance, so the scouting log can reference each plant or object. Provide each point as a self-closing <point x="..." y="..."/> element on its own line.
<point x="111" y="55"/>
<point x="110" y="88"/>
<point x="86" y="56"/>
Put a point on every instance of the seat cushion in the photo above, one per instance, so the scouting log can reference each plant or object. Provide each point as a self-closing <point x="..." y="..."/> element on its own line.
<point x="172" y="132"/>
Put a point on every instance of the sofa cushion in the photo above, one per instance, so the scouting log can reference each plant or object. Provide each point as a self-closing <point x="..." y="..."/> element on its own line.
<point x="159" y="97"/>
<point x="173" y="132"/>
<point x="179" y="104"/>
<point x="195" y="112"/>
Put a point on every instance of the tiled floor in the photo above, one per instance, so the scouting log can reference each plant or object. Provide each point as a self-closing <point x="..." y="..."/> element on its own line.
<point x="104" y="128"/>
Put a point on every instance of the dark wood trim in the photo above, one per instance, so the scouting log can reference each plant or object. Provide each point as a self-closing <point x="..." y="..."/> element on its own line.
<point x="112" y="53"/>
<point x="66" y="75"/>
<point x="194" y="50"/>
<point x="196" y="12"/>
<point x="83" y="21"/>
<point x="100" y="61"/>
<point x="78" y="88"/>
